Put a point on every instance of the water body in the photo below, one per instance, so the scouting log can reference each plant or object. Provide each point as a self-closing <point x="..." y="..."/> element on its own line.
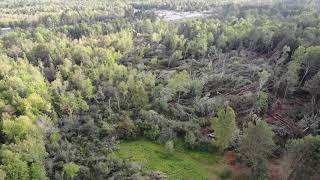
<point x="170" y="15"/>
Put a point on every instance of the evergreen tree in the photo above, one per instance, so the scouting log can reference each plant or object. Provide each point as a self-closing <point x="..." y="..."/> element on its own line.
<point x="225" y="128"/>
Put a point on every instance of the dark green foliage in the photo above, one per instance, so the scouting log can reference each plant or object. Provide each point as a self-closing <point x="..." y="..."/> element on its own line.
<point x="256" y="145"/>
<point x="306" y="151"/>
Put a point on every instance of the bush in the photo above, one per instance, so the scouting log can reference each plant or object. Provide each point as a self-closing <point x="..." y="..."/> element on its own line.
<point x="71" y="169"/>
<point x="169" y="146"/>
<point x="153" y="133"/>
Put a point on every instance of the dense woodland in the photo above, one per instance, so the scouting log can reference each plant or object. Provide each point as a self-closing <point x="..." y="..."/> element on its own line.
<point x="79" y="77"/>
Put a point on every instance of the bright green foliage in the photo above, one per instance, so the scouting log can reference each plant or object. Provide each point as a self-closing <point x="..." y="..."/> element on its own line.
<point x="14" y="167"/>
<point x="71" y="169"/>
<point x="179" y="83"/>
<point x="72" y="102"/>
<point x="80" y="54"/>
<point x="55" y="137"/>
<point x="225" y="128"/>
<point x="180" y="165"/>
<point x="25" y="97"/>
<point x="20" y="128"/>
<point x="31" y="150"/>
<point x="147" y="26"/>
<point x="256" y="145"/>
<point x="299" y="54"/>
<point x="82" y="83"/>
<point x="261" y="105"/>
<point x="122" y="41"/>
<point x="35" y="104"/>
<point x="37" y="171"/>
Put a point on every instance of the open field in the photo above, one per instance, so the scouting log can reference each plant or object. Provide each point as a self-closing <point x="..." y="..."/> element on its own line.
<point x="182" y="164"/>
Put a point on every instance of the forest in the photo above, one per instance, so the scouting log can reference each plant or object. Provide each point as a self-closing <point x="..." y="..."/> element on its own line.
<point x="159" y="89"/>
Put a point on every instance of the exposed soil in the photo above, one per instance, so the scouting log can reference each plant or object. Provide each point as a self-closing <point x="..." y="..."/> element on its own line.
<point x="276" y="170"/>
<point x="240" y="171"/>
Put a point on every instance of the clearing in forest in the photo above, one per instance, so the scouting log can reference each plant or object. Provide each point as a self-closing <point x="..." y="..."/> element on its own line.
<point x="181" y="164"/>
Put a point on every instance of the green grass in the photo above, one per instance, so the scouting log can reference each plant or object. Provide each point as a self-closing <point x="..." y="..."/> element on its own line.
<point x="182" y="164"/>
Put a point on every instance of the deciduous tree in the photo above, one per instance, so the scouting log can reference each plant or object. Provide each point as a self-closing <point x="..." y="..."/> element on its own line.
<point x="256" y="145"/>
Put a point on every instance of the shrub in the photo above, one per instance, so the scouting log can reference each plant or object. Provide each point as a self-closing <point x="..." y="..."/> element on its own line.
<point x="169" y="146"/>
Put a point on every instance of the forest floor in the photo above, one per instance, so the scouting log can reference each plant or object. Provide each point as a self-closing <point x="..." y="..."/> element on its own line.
<point x="182" y="164"/>
<point x="240" y="171"/>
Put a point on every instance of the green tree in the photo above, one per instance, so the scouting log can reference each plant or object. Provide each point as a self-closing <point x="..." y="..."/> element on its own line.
<point x="140" y="97"/>
<point x="190" y="140"/>
<point x="71" y="169"/>
<point x="177" y="55"/>
<point x="311" y="62"/>
<point x="263" y="78"/>
<point x="82" y="83"/>
<point x="256" y="145"/>
<point x="37" y="172"/>
<point x="72" y="102"/>
<point x="292" y="75"/>
<point x="225" y="127"/>
<point x="313" y="87"/>
<point x="14" y="167"/>
<point x="305" y="153"/>
<point x="179" y="83"/>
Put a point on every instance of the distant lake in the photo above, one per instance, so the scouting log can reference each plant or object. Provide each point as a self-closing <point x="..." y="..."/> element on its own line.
<point x="170" y="15"/>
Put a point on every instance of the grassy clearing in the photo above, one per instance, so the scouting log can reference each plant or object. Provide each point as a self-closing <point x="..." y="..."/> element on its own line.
<point x="182" y="164"/>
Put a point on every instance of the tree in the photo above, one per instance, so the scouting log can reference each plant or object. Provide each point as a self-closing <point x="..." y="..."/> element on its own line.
<point x="37" y="171"/>
<point x="177" y="55"/>
<point x="190" y="140"/>
<point x="140" y="97"/>
<point x="311" y="62"/>
<point x="19" y="128"/>
<point x="263" y="78"/>
<point x="81" y="54"/>
<point x="261" y="104"/>
<point x="313" y="87"/>
<point x="71" y="169"/>
<point x="40" y="53"/>
<point x="256" y="145"/>
<point x="225" y="127"/>
<point x="72" y="102"/>
<point x="13" y="166"/>
<point x="179" y="82"/>
<point x="82" y="83"/>
<point x="292" y="75"/>
<point x="305" y="155"/>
